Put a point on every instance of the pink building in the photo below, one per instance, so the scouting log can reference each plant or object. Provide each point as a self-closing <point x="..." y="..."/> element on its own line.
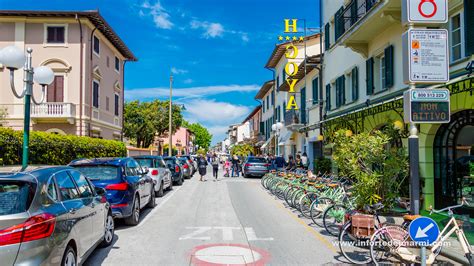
<point x="183" y="141"/>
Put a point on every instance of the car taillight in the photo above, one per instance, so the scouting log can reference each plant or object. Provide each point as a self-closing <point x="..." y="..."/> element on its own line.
<point x="154" y="172"/>
<point x="189" y="161"/>
<point x="176" y="169"/>
<point x="267" y="165"/>
<point x="247" y="165"/>
<point x="36" y="227"/>
<point x="185" y="166"/>
<point x="119" y="186"/>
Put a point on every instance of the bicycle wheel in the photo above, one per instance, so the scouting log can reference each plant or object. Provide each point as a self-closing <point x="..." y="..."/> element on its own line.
<point x="380" y="249"/>
<point x="317" y="209"/>
<point x="333" y="219"/>
<point x="355" y="250"/>
<point x="305" y="204"/>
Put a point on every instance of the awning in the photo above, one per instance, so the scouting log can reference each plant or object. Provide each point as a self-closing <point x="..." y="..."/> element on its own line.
<point x="266" y="143"/>
<point x="285" y="139"/>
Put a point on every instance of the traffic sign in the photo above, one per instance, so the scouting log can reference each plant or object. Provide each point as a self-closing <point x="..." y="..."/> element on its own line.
<point x="426" y="106"/>
<point x="424" y="231"/>
<point x="425" y="56"/>
<point x="424" y="11"/>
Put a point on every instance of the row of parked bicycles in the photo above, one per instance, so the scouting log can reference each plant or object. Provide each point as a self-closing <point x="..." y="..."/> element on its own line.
<point x="362" y="236"/>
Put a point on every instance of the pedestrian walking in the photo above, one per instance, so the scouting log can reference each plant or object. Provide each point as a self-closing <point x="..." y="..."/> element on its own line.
<point x="235" y="166"/>
<point x="215" y="166"/>
<point x="202" y="165"/>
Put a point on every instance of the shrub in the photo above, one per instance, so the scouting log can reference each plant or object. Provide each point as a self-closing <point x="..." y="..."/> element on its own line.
<point x="323" y="165"/>
<point x="53" y="149"/>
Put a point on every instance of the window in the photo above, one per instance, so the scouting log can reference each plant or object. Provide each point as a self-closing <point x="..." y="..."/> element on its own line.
<point x="116" y="105"/>
<point x="355" y="83"/>
<point x="328" y="97"/>
<point x="85" y="191"/>
<point x="378" y="75"/>
<point x="15" y="196"/>
<point x="117" y="64"/>
<point x="55" y="34"/>
<point x="55" y="91"/>
<point x="348" y="87"/>
<point x="107" y="100"/>
<point x="51" y="190"/>
<point x="382" y="72"/>
<point x="263" y="106"/>
<point x="273" y="98"/>
<point x="315" y="87"/>
<point x="340" y="91"/>
<point x="456" y="38"/>
<point x="327" y="37"/>
<point x="97" y="173"/>
<point x="66" y="186"/>
<point x="96" y="45"/>
<point x="132" y="168"/>
<point x="268" y="102"/>
<point x="95" y="94"/>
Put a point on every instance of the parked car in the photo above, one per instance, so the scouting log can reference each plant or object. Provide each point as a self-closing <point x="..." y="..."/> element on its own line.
<point x="175" y="168"/>
<point x="186" y="167"/>
<point x="255" y="166"/>
<point x="51" y="216"/>
<point x="129" y="188"/>
<point x="158" y="171"/>
<point x="191" y="163"/>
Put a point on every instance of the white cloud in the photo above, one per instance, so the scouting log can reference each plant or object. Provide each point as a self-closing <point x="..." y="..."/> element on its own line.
<point x="160" y="15"/>
<point x="188" y="81"/>
<point x="211" y="30"/>
<point x="193" y="92"/>
<point x="178" y="71"/>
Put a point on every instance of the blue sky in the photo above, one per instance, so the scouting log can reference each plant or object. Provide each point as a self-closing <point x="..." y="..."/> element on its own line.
<point x="215" y="49"/>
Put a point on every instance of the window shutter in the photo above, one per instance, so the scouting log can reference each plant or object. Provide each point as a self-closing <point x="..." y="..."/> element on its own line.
<point x="354" y="16"/>
<point x="468" y="26"/>
<point x="339" y="23"/>
<point x="327" y="38"/>
<point x="315" y="90"/>
<point x="337" y="93"/>
<point x="342" y="84"/>
<point x="328" y="97"/>
<point x="370" y="76"/>
<point x="51" y="91"/>
<point x="389" y="67"/>
<point x="262" y="128"/>
<point x="368" y="4"/>
<point x="355" y="83"/>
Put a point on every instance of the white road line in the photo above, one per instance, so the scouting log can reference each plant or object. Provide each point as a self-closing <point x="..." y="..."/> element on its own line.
<point x="158" y="206"/>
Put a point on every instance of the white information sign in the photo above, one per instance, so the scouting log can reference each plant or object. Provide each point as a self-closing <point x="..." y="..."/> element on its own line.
<point x="425" y="56"/>
<point x="424" y="11"/>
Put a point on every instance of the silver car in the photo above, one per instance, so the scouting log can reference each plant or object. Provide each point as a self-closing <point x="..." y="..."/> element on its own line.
<point x="158" y="171"/>
<point x="186" y="166"/>
<point x="51" y="216"/>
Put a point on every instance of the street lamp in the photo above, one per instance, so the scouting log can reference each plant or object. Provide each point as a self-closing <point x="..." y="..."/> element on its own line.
<point x="276" y="128"/>
<point x="14" y="58"/>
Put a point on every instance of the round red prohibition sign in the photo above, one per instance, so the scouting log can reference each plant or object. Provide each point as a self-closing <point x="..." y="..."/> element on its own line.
<point x="228" y="254"/>
<point x="422" y="3"/>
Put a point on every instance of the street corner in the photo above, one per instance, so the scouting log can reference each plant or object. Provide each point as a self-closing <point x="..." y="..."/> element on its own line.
<point x="228" y="254"/>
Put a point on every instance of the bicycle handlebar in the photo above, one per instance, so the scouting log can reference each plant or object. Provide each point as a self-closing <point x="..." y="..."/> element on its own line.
<point x="464" y="202"/>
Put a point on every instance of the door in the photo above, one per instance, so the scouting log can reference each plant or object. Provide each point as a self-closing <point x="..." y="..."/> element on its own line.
<point x="134" y="171"/>
<point x="165" y="171"/>
<point x="55" y="92"/>
<point x="78" y="212"/>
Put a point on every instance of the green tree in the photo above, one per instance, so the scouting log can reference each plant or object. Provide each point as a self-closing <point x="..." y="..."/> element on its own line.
<point x="202" y="136"/>
<point x="242" y="150"/>
<point x="3" y="115"/>
<point x="142" y="120"/>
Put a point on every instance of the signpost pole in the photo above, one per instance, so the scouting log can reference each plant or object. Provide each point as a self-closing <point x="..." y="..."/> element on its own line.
<point x="413" y="146"/>
<point x="423" y="256"/>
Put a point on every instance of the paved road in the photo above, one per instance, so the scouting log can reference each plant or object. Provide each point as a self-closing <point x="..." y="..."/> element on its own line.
<point x="229" y="221"/>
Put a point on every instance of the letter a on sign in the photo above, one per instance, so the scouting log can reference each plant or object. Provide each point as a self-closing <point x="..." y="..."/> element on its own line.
<point x="292" y="103"/>
<point x="292" y="25"/>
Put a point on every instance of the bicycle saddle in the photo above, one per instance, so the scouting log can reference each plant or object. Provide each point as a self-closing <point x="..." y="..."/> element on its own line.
<point x="374" y="207"/>
<point x="410" y="217"/>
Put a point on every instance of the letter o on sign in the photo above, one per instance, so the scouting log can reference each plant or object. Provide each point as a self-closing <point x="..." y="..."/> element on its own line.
<point x="424" y="3"/>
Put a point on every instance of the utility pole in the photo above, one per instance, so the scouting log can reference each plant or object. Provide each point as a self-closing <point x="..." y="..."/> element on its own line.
<point x="170" y="139"/>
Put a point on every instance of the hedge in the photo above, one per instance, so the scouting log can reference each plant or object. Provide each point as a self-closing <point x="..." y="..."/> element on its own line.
<point x="54" y="149"/>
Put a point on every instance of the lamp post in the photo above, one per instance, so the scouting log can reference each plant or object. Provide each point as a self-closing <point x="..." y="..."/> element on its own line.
<point x="170" y="129"/>
<point x="14" y="58"/>
<point x="276" y="128"/>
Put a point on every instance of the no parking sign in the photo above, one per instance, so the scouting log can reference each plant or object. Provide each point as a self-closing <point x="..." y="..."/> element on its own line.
<point x="425" y="11"/>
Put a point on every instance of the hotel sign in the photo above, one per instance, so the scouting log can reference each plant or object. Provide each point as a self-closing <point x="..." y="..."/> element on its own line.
<point x="426" y="106"/>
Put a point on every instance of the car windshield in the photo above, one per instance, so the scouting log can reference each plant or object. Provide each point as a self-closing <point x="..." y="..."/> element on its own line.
<point x="145" y="162"/>
<point x="99" y="172"/>
<point x="15" y="196"/>
<point x="256" y="160"/>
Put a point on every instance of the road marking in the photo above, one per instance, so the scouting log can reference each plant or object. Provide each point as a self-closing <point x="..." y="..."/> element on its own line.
<point x="150" y="214"/>
<point x="302" y="222"/>
<point x="252" y="236"/>
<point x="198" y="230"/>
<point x="229" y="254"/>
<point x="227" y="233"/>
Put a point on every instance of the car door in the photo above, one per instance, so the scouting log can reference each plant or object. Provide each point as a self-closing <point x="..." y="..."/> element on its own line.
<point x="135" y="173"/>
<point x="78" y="212"/>
<point x="166" y="172"/>
<point x="98" y="212"/>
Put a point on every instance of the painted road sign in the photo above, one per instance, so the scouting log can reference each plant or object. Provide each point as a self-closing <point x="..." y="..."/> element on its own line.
<point x="424" y="11"/>
<point x="425" y="56"/>
<point x="424" y="231"/>
<point x="426" y="106"/>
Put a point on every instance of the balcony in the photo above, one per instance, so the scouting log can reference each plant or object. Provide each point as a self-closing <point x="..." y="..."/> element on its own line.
<point x="292" y="120"/>
<point x="53" y="113"/>
<point x="361" y="21"/>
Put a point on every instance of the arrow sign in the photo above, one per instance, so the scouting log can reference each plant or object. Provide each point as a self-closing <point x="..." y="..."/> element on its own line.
<point x="424" y="231"/>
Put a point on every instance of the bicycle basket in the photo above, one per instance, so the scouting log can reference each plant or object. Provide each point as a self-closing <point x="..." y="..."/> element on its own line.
<point x="363" y="225"/>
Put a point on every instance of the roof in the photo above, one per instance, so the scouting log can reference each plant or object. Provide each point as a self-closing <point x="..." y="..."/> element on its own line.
<point x="311" y="63"/>
<point x="99" y="161"/>
<point x="265" y="88"/>
<point x="147" y="157"/>
<point x="280" y="50"/>
<point x="94" y="17"/>
<point x="255" y="110"/>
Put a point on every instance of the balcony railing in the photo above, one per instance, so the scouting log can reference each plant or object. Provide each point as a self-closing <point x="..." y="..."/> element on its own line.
<point x="292" y="117"/>
<point x="53" y="110"/>
<point x="353" y="12"/>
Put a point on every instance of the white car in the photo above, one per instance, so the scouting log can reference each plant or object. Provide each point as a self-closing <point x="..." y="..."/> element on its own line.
<point x="158" y="171"/>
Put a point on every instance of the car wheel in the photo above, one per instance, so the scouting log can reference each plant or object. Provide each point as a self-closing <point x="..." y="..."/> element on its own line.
<point x="180" y="182"/>
<point x="152" y="202"/>
<point x="109" y="231"/>
<point x="160" y="192"/>
<point x="134" y="218"/>
<point x="69" y="257"/>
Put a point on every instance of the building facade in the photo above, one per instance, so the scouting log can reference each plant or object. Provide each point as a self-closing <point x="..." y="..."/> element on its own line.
<point x="88" y="59"/>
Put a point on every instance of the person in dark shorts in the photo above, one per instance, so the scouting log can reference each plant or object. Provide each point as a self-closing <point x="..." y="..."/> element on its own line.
<point x="215" y="166"/>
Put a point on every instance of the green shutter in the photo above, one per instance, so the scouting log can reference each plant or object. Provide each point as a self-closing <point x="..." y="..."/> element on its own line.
<point x="327" y="38"/>
<point x="355" y="83"/>
<point x="339" y="23"/>
<point x="315" y="90"/>
<point x="370" y="75"/>
<point x="262" y="128"/>
<point x="469" y="26"/>
<point x="343" y="89"/>
<point x="354" y="15"/>
<point x="388" y="67"/>
<point x="368" y="4"/>
<point x="303" y="106"/>
<point x="328" y="97"/>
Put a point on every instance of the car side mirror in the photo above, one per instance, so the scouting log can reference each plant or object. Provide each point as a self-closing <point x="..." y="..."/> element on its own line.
<point x="100" y="191"/>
